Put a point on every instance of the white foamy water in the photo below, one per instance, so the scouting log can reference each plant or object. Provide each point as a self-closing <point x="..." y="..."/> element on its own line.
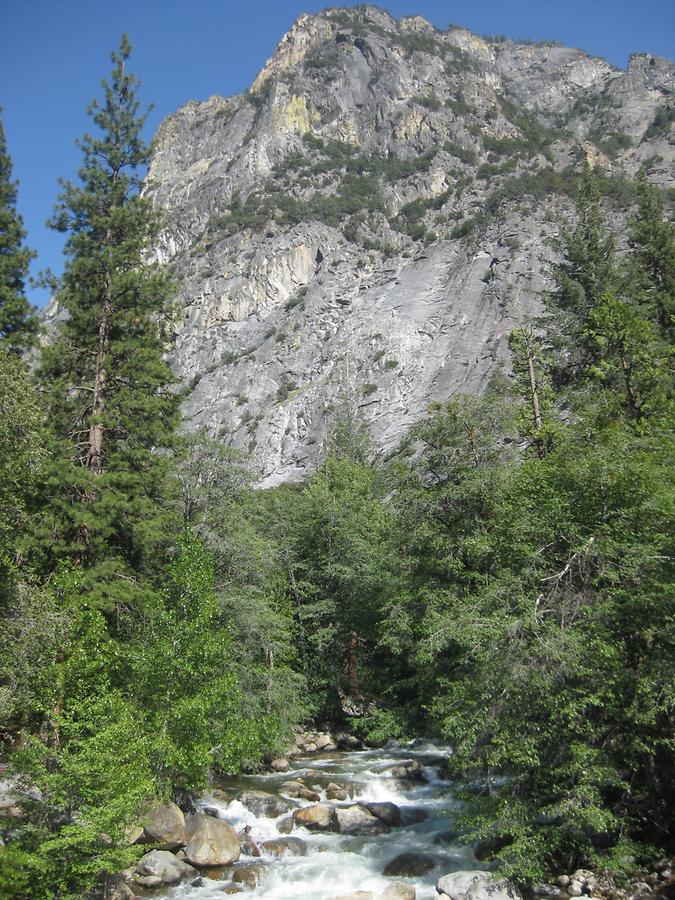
<point x="341" y="864"/>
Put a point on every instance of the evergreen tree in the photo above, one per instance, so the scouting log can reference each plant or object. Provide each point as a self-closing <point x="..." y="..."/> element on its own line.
<point x="652" y="238"/>
<point x="18" y="322"/>
<point x="584" y="272"/>
<point x="107" y="385"/>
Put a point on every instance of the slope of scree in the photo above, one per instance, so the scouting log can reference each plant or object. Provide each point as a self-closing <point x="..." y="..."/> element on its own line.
<point x="370" y="220"/>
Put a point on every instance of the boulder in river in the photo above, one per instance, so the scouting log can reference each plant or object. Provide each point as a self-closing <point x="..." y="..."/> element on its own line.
<point x="165" y="827"/>
<point x="399" y="890"/>
<point x="161" y="867"/>
<point x="280" y="847"/>
<point x="246" y="843"/>
<point x="212" y="842"/>
<point x="348" y="742"/>
<point x="300" y="791"/>
<point x="279" y="765"/>
<point x="261" y="803"/>
<point x="285" y="825"/>
<point x="476" y="884"/>
<point x="316" y="818"/>
<point x="409" y="865"/>
<point x="358" y="820"/>
<point x="251" y="876"/>
<point x="336" y="792"/>
<point x="389" y="813"/>
<point x="409" y="770"/>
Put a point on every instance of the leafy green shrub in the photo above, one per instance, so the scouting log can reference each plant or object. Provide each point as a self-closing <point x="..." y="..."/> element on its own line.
<point x="368" y="389"/>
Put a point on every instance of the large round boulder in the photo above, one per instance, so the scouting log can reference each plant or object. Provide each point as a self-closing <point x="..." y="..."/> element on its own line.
<point x="165" y="827"/>
<point x="211" y="842"/>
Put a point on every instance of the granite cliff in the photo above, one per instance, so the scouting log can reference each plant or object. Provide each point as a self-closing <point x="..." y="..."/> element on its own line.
<point x="369" y="221"/>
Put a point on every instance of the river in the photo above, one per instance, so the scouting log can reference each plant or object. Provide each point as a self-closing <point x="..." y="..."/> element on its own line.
<point x="337" y="864"/>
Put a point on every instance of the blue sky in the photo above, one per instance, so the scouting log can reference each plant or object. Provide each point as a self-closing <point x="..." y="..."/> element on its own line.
<point x="54" y="53"/>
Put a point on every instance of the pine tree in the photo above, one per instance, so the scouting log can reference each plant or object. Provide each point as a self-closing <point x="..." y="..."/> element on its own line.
<point x="18" y="322"/>
<point x="652" y="238"/>
<point x="107" y="385"/>
<point x="585" y="271"/>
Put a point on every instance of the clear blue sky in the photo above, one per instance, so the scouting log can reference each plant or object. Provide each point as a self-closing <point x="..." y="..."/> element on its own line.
<point x="54" y="53"/>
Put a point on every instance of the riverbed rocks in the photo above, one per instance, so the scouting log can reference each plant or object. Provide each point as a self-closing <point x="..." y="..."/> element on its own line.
<point x="399" y="890"/>
<point x="410" y="770"/>
<point x="358" y="820"/>
<point x="336" y="792"/>
<point x="212" y="842"/>
<point x="409" y="865"/>
<point x="387" y="812"/>
<point x="299" y="791"/>
<point x="280" y="847"/>
<point x="249" y="875"/>
<point x="476" y="884"/>
<point x="247" y="845"/>
<point x="165" y="827"/>
<point x="262" y="803"/>
<point x="317" y="817"/>
<point x="160" y="867"/>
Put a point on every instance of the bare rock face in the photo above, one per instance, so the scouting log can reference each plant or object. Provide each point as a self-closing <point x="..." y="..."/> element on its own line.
<point x="165" y="826"/>
<point x="365" y="226"/>
<point x="212" y="842"/>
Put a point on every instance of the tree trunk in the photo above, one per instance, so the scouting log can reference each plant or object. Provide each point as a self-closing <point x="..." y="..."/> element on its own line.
<point x="352" y="665"/>
<point x="536" y="412"/>
<point x="94" y="454"/>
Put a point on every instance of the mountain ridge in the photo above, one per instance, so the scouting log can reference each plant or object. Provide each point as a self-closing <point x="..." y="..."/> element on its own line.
<point x="372" y="217"/>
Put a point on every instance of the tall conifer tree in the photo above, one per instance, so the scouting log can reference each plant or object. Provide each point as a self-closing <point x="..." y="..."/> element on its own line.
<point x="18" y="322"/>
<point x="107" y="384"/>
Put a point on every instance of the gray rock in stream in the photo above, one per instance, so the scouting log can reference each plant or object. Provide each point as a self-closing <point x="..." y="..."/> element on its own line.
<point x="262" y="803"/>
<point x="409" y="865"/>
<point x="160" y="867"/>
<point x="476" y="885"/>
<point x="359" y="820"/>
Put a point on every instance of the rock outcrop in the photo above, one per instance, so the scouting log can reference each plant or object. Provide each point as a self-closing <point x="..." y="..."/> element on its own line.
<point x="362" y="229"/>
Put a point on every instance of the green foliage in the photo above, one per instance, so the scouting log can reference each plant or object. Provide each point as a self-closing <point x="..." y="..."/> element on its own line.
<point x="18" y="322"/>
<point x="106" y="384"/>
<point x="23" y="460"/>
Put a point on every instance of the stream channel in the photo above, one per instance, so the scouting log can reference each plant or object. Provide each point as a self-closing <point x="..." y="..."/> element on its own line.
<point x="337" y="864"/>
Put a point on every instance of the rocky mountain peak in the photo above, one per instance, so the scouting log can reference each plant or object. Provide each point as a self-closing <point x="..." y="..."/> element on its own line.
<point x="366" y="224"/>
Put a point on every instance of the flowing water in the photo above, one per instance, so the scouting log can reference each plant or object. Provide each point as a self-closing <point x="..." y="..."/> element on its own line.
<point x="340" y="864"/>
